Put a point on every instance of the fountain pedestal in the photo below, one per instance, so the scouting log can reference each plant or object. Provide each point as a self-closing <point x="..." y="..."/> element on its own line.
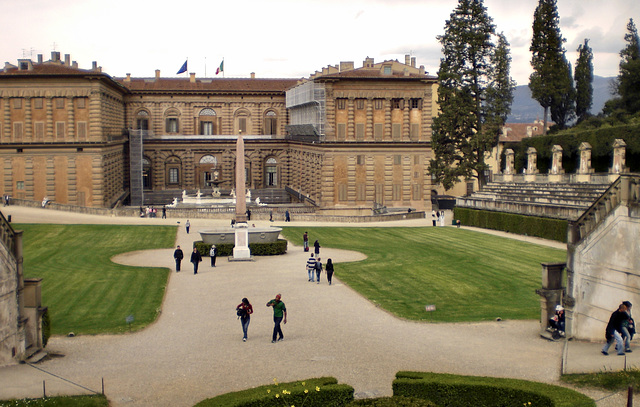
<point x="241" y="250"/>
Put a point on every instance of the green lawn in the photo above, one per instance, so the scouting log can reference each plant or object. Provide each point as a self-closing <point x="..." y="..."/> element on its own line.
<point x="467" y="275"/>
<point x="87" y="293"/>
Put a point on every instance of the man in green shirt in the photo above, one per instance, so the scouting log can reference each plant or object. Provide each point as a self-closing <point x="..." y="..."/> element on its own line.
<point x="279" y="311"/>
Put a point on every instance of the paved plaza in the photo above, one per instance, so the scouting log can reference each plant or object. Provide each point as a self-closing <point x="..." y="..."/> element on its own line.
<point x="195" y="349"/>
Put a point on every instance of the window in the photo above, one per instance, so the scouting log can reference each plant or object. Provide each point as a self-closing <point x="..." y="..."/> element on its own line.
<point x="173" y="176"/>
<point x="146" y="173"/>
<point x="17" y="130"/>
<point x="379" y="193"/>
<point x="271" y="123"/>
<point x="341" y="104"/>
<point x="342" y="131"/>
<point x="416" y="159"/>
<point x="39" y="130"/>
<point x="342" y="192"/>
<point x="206" y="128"/>
<point x="397" y="103"/>
<point x="387" y="70"/>
<point x="397" y="192"/>
<point x="377" y="131"/>
<point x="271" y="172"/>
<point x="59" y="103"/>
<point x="17" y="103"/>
<point x="416" y="103"/>
<point x="378" y="104"/>
<point x="60" y="130"/>
<point x="208" y="122"/>
<point x="242" y="124"/>
<point x="20" y="185"/>
<point x="396" y="131"/>
<point x="360" y="104"/>
<point x="82" y="130"/>
<point x="361" y="192"/>
<point x="172" y="125"/>
<point x="38" y="103"/>
<point x="397" y="159"/>
<point x="209" y="159"/>
<point x="417" y="192"/>
<point x="359" y="131"/>
<point x="82" y="103"/>
<point x="415" y="131"/>
<point x="360" y="159"/>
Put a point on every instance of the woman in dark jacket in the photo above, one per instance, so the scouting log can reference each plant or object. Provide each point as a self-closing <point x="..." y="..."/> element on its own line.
<point x="329" y="269"/>
<point x="244" y="311"/>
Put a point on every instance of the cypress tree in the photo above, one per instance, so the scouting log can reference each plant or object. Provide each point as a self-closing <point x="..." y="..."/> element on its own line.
<point x="584" y="80"/>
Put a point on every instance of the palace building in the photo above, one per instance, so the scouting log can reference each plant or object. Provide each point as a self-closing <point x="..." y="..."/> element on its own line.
<point x="346" y="139"/>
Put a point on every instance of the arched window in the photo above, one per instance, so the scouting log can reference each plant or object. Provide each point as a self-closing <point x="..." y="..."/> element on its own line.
<point x="271" y="123"/>
<point x="172" y="123"/>
<point x="142" y="120"/>
<point x="172" y="167"/>
<point x="208" y="159"/>
<point x="271" y="172"/>
<point x="146" y="173"/>
<point x="242" y="121"/>
<point x="208" y="121"/>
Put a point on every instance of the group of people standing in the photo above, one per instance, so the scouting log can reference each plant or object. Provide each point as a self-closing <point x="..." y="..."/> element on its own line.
<point x="314" y="264"/>
<point x="196" y="257"/>
<point x="620" y="330"/>
<point x="437" y="217"/>
<point x="245" y="309"/>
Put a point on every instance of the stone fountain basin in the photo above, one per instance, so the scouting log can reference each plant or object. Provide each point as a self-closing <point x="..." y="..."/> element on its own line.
<point x="227" y="235"/>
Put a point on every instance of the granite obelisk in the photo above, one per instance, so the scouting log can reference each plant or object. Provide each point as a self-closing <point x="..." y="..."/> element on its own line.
<point x="241" y="249"/>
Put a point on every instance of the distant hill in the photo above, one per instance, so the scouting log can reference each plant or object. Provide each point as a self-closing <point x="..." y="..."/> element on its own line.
<point x="525" y="109"/>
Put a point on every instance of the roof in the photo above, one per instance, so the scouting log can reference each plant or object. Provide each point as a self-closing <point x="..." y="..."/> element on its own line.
<point x="374" y="73"/>
<point x="514" y="132"/>
<point x="207" y="84"/>
<point x="48" y="68"/>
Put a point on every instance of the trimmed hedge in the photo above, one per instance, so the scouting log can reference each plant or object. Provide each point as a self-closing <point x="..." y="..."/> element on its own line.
<point x="395" y="401"/>
<point x="320" y="392"/>
<point x="96" y="400"/>
<point x="257" y="249"/>
<point x="546" y="228"/>
<point x="46" y="327"/>
<point x="447" y="390"/>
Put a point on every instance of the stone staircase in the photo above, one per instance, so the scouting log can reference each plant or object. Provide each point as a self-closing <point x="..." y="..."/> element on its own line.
<point x="550" y="200"/>
<point x="266" y="195"/>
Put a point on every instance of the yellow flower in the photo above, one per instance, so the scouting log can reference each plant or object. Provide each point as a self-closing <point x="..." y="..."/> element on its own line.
<point x="306" y="391"/>
<point x="317" y="388"/>
<point x="303" y="383"/>
<point x="268" y="390"/>
<point x="277" y="396"/>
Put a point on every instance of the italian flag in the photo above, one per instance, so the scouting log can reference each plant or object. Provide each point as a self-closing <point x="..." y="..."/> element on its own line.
<point x="220" y="68"/>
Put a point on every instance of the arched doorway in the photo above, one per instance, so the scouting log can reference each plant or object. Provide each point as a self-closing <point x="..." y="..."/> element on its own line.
<point x="271" y="173"/>
<point x="208" y="122"/>
<point x="207" y="171"/>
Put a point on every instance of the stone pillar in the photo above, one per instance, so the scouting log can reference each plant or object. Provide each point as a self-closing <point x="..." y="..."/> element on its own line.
<point x="550" y="294"/>
<point x="241" y="250"/>
<point x="585" y="170"/>
<point x="555" y="174"/>
<point x="508" y="165"/>
<point x="619" y="161"/>
<point x="532" y="165"/>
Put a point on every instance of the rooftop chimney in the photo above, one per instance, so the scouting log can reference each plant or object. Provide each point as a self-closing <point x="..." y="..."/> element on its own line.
<point x="413" y="62"/>
<point x="55" y="56"/>
<point x="39" y="58"/>
<point x="253" y="75"/>
<point x="94" y="65"/>
<point x="74" y="64"/>
<point x="67" y="59"/>
<point x="128" y="78"/>
<point x="192" y="77"/>
<point x="422" y="70"/>
<point x="346" y="66"/>
<point x="157" y="74"/>
<point x="407" y="59"/>
<point x="368" y="62"/>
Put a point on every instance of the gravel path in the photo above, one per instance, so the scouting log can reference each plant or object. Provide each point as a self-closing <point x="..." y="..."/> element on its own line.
<point x="194" y="350"/>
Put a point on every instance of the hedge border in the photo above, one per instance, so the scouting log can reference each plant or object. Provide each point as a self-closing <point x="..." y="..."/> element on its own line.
<point x="257" y="249"/>
<point x="546" y="228"/>
<point x="455" y="390"/>
<point x="330" y="394"/>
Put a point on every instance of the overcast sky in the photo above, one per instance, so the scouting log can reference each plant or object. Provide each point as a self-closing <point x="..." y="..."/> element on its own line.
<point x="284" y="38"/>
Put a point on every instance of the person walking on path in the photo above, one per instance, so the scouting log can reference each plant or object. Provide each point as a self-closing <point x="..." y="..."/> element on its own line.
<point x="287" y="217"/>
<point x="329" y="268"/>
<point x="187" y="225"/>
<point x="164" y="212"/>
<point x="213" y="253"/>
<point x="613" y="331"/>
<point x="248" y="214"/>
<point x="311" y="267"/>
<point x="270" y="216"/>
<point x="178" y="255"/>
<point x="628" y="328"/>
<point x="279" y="312"/>
<point x="244" y="311"/>
<point x="433" y="218"/>
<point x="196" y="258"/>
<point x="318" y="269"/>
<point x="316" y="247"/>
<point x="305" y="241"/>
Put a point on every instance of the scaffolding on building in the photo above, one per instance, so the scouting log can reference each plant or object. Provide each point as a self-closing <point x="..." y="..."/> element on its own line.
<point x="306" y="105"/>
<point x="135" y="168"/>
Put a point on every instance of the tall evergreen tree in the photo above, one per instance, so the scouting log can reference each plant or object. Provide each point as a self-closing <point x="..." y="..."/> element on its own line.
<point x="584" y="80"/>
<point x="460" y="138"/>
<point x="500" y="91"/>
<point x="550" y="83"/>
<point x="628" y="80"/>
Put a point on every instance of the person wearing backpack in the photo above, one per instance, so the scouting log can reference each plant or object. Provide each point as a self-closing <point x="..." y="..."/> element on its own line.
<point x="244" y="311"/>
<point x="318" y="269"/>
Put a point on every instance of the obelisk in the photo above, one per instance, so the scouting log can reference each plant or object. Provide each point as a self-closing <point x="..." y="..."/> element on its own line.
<point x="241" y="249"/>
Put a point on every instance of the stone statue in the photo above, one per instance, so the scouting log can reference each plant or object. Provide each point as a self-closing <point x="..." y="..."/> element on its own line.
<point x="184" y="193"/>
<point x="198" y="194"/>
<point x="233" y="192"/>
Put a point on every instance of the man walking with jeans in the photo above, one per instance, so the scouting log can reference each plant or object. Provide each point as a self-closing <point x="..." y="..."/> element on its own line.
<point x="279" y="311"/>
<point x="614" y="330"/>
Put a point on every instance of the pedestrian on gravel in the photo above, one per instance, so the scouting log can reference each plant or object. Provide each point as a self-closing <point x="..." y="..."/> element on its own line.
<point x="196" y="258"/>
<point x="613" y="331"/>
<point x="311" y="267"/>
<point x="244" y="311"/>
<point x="329" y="268"/>
<point x="279" y="312"/>
<point x="316" y="247"/>
<point x="213" y="253"/>
<point x="318" y="269"/>
<point x="178" y="255"/>
<point x="187" y="225"/>
<point x="305" y="241"/>
<point x="628" y="328"/>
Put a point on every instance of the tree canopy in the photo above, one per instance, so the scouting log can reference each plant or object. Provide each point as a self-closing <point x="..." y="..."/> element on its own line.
<point x="584" y="81"/>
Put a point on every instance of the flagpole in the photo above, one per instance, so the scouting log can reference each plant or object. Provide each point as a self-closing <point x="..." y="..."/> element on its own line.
<point x="223" y="67"/>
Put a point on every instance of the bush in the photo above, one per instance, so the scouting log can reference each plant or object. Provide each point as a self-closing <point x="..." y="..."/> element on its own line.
<point x="96" y="400"/>
<point x="257" y="249"/>
<point x="546" y="228"/>
<point x="395" y="401"/>
<point x="320" y="392"/>
<point x="46" y="327"/>
<point x="454" y="390"/>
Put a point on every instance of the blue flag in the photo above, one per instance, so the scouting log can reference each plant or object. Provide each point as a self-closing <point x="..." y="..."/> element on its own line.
<point x="183" y="69"/>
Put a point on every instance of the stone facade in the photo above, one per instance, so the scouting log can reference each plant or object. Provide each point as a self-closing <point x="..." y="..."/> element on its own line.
<point x="63" y="134"/>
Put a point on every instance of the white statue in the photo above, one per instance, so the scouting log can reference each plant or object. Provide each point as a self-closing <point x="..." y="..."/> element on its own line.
<point x="233" y="192"/>
<point x="248" y="193"/>
<point x="184" y="193"/>
<point x="173" y="204"/>
<point x="198" y="194"/>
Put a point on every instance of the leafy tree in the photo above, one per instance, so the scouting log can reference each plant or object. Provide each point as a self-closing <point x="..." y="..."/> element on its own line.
<point x="584" y="80"/>
<point x="629" y="77"/>
<point x="550" y="83"/>
<point x="474" y="90"/>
